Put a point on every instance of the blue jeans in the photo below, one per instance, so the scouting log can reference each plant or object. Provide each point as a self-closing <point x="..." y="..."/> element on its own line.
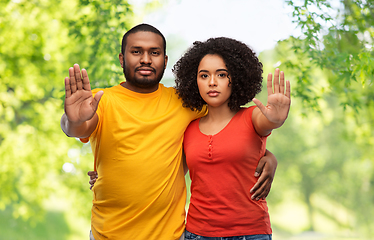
<point x="191" y="236"/>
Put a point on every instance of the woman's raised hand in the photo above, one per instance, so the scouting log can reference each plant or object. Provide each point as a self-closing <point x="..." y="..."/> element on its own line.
<point x="279" y="98"/>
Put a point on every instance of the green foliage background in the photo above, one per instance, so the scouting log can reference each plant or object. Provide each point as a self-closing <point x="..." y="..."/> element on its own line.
<point x="325" y="176"/>
<point x="326" y="146"/>
<point x="39" y="41"/>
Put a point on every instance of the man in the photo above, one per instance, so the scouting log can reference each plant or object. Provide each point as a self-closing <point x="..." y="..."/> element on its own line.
<point x="136" y="134"/>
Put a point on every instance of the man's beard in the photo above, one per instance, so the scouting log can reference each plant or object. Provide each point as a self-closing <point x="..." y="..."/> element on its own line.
<point x="143" y="82"/>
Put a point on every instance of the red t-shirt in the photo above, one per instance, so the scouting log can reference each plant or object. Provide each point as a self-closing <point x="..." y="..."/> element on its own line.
<point x="222" y="168"/>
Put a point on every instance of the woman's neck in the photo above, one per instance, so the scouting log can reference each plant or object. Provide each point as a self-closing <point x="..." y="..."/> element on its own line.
<point x="220" y="113"/>
<point x="216" y="119"/>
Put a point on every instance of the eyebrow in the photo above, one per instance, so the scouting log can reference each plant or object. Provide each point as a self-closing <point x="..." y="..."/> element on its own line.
<point x="152" y="48"/>
<point x="218" y="70"/>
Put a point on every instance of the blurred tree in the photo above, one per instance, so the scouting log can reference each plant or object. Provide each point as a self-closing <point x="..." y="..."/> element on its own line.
<point x="332" y="150"/>
<point x="98" y="31"/>
<point x="327" y="154"/>
<point x="39" y="40"/>
<point x="324" y="155"/>
<point x="338" y="36"/>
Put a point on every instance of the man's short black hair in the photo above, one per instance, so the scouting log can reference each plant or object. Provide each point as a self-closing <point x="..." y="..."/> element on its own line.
<point x="141" y="28"/>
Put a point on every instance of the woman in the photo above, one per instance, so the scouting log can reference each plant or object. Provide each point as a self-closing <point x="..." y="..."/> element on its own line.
<point x="223" y="148"/>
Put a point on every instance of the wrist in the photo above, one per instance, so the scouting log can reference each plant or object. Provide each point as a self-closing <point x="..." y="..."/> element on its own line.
<point x="73" y="128"/>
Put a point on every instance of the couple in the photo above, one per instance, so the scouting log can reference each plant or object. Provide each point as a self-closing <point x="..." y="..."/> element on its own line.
<point x="138" y="130"/>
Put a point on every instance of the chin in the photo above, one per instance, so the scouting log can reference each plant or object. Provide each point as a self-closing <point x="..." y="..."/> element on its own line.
<point x="145" y="83"/>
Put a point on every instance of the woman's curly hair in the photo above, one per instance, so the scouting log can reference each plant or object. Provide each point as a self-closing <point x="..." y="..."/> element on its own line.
<point x="245" y="71"/>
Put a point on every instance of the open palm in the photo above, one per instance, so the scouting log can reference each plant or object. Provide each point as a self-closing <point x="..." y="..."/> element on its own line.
<point x="80" y="105"/>
<point x="279" y="99"/>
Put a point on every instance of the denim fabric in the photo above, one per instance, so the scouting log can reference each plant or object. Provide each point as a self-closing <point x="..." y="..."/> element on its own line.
<point x="191" y="236"/>
<point x="91" y="236"/>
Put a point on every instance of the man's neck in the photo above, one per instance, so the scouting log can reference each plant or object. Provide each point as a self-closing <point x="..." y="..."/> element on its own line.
<point x="139" y="89"/>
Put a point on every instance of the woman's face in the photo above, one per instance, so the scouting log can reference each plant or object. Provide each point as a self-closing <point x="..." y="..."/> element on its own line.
<point x="213" y="81"/>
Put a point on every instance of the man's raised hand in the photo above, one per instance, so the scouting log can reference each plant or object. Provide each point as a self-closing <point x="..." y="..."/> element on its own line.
<point x="80" y="105"/>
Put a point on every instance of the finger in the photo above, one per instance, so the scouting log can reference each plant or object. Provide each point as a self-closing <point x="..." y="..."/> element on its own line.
<point x="288" y="89"/>
<point x="92" y="181"/>
<point x="86" y="81"/>
<point x="258" y="194"/>
<point x="266" y="190"/>
<point x="260" y="167"/>
<point x="281" y="83"/>
<point x="262" y="192"/>
<point x="67" y="88"/>
<point x="254" y="188"/>
<point x="269" y="84"/>
<point x="258" y="184"/>
<point x="73" y="83"/>
<point x="78" y="77"/>
<point x="276" y="81"/>
<point x="92" y="174"/>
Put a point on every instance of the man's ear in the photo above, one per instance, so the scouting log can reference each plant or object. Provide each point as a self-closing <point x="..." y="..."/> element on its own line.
<point x="121" y="60"/>
<point x="166" y="61"/>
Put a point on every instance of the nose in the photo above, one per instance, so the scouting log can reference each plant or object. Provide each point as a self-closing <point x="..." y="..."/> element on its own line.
<point x="212" y="81"/>
<point x="146" y="59"/>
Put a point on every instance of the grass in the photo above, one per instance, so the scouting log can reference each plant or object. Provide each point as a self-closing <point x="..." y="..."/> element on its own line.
<point x="53" y="227"/>
<point x="61" y="222"/>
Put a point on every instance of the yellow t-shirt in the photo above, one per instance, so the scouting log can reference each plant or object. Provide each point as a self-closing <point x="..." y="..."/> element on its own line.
<point x="137" y="145"/>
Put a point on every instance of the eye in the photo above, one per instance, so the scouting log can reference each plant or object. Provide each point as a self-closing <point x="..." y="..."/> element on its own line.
<point x="204" y="76"/>
<point x="155" y="53"/>
<point x="222" y="75"/>
<point x="135" y="52"/>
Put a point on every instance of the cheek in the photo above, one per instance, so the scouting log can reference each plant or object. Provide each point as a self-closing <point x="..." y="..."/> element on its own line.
<point x="229" y="91"/>
<point x="130" y="61"/>
<point x="159" y="62"/>
<point x="200" y="88"/>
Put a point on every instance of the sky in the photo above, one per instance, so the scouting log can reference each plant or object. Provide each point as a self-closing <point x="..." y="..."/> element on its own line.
<point x="258" y="23"/>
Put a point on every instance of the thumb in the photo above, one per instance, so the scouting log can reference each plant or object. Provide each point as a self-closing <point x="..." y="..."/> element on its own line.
<point x="97" y="98"/>
<point x="259" y="104"/>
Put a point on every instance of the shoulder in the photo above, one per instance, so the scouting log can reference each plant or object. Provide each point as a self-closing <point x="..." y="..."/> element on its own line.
<point x="194" y="123"/>
<point x="94" y="91"/>
<point x="169" y="90"/>
<point x="109" y="94"/>
<point x="246" y="114"/>
<point x="172" y="92"/>
<point x="192" y="128"/>
<point x="105" y="90"/>
<point x="117" y="89"/>
<point x="246" y="111"/>
<point x="249" y="109"/>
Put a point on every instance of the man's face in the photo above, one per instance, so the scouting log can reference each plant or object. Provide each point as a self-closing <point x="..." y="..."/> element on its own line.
<point x="144" y="62"/>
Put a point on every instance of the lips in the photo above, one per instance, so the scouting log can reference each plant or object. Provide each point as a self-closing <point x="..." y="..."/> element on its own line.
<point x="213" y="93"/>
<point x="145" y="70"/>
